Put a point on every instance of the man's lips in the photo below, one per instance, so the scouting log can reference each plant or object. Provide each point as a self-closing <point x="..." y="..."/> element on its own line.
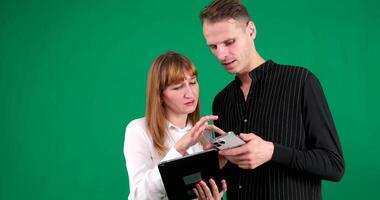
<point x="228" y="62"/>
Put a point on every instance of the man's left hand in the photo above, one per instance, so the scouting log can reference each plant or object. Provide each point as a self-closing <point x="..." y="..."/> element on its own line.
<point x="252" y="154"/>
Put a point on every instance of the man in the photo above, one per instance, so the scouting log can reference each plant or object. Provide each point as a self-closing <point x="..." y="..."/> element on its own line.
<point x="291" y="141"/>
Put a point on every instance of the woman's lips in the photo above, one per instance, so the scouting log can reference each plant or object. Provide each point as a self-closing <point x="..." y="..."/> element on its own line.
<point x="190" y="103"/>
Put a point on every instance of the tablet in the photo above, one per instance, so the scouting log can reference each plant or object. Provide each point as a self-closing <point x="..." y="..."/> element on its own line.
<point x="182" y="174"/>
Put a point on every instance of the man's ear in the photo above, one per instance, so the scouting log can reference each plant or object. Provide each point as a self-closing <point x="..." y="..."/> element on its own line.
<point x="251" y="29"/>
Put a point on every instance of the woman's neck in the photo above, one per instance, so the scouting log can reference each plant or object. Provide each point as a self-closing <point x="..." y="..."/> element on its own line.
<point x="178" y="120"/>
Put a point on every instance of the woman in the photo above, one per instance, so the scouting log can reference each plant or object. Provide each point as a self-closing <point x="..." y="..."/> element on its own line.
<point x="171" y="128"/>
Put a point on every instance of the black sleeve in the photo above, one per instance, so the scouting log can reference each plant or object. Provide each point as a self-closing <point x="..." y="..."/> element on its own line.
<point x="323" y="154"/>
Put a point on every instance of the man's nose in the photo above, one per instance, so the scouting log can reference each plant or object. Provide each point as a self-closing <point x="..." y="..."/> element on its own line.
<point x="221" y="53"/>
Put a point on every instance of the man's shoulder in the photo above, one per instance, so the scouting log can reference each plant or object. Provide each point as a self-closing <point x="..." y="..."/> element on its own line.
<point x="291" y="71"/>
<point x="291" y="68"/>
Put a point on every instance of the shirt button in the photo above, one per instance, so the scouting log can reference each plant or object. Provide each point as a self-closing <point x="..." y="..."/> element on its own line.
<point x="245" y="120"/>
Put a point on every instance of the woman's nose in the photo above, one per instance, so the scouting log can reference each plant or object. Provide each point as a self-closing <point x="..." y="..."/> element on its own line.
<point x="188" y="91"/>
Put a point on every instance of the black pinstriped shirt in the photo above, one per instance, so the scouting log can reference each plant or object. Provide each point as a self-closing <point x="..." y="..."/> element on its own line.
<point x="285" y="105"/>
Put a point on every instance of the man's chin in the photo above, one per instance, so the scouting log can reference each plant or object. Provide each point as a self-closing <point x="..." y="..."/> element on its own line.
<point x="230" y="70"/>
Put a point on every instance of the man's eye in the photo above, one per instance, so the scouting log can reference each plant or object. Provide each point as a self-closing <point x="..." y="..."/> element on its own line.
<point x="230" y="42"/>
<point x="212" y="46"/>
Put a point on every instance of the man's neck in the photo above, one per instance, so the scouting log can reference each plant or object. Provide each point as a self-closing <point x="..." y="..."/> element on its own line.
<point x="256" y="61"/>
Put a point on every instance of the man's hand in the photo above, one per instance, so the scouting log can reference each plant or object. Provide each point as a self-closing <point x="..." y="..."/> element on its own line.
<point x="252" y="154"/>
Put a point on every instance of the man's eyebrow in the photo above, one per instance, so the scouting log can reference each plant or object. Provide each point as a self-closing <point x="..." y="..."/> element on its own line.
<point x="224" y="41"/>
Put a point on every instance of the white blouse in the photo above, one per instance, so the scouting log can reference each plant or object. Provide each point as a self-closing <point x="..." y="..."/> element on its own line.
<point x="142" y="160"/>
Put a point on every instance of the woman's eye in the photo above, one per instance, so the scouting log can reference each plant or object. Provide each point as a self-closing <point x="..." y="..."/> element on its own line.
<point x="177" y="87"/>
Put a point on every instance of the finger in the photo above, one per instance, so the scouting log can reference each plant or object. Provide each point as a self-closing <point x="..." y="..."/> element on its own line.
<point x="237" y="162"/>
<point x="200" y="191"/>
<point x="247" y="136"/>
<point x="200" y="122"/>
<point x="224" y="185"/>
<point x="209" y="118"/>
<point x="243" y="159"/>
<point x="198" y="131"/>
<point x="196" y="192"/>
<point x="216" y="129"/>
<point x="214" y="187"/>
<point x="212" y="117"/>
<point x="206" y="190"/>
<point x="234" y="151"/>
<point x="222" y="161"/>
<point x="201" y="129"/>
<point x="208" y="146"/>
<point x="205" y="119"/>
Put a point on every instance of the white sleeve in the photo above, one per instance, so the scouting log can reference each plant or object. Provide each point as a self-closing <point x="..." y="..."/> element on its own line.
<point x="144" y="177"/>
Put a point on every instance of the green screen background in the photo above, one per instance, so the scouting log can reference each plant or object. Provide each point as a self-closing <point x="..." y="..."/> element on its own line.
<point x="73" y="74"/>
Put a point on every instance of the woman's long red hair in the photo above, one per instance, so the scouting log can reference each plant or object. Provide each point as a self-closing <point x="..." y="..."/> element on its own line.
<point x="168" y="68"/>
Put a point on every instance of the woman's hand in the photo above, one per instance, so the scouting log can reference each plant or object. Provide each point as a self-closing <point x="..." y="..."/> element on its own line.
<point x="195" y="134"/>
<point x="203" y="192"/>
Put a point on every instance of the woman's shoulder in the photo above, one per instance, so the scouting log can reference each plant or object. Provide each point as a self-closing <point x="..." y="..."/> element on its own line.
<point x="137" y="123"/>
<point x="136" y="127"/>
<point x="137" y="132"/>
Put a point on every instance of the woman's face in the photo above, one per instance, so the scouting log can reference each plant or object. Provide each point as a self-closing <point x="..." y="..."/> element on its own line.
<point x="181" y="98"/>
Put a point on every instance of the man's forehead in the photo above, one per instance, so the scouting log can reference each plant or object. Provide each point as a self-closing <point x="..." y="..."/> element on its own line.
<point x="220" y="31"/>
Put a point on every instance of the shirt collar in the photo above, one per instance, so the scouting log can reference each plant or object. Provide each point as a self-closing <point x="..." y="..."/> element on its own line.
<point x="185" y="129"/>
<point x="258" y="72"/>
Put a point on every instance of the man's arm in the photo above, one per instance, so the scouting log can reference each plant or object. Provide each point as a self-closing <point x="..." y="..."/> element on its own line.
<point x="323" y="154"/>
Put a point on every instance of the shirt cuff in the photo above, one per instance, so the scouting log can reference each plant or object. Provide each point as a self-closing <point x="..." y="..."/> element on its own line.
<point x="282" y="154"/>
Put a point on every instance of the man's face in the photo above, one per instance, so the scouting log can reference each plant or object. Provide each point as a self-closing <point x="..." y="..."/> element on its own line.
<point x="231" y="42"/>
